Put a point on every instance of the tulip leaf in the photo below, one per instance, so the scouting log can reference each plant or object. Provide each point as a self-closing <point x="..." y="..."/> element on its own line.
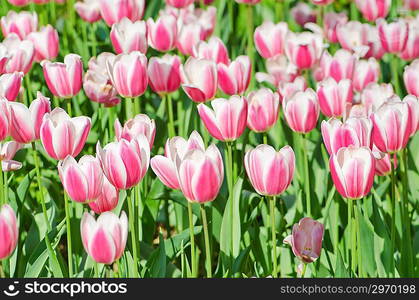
<point x="366" y="243"/>
<point x="157" y="261"/>
<point x="341" y="270"/>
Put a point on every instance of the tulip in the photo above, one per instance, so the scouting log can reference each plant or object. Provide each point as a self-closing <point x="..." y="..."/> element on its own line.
<point x="8" y="231"/>
<point x="227" y="120"/>
<point x="383" y="162"/>
<point x="10" y="85"/>
<point x="21" y="23"/>
<point x="411" y="4"/>
<point x="333" y="96"/>
<point x="339" y="66"/>
<point x="82" y="180"/>
<point x="234" y="79"/>
<point x="188" y="36"/>
<point x="4" y="118"/>
<point x="88" y="10"/>
<point x="393" y="35"/>
<point x="411" y="50"/>
<point x="128" y="73"/>
<point x="162" y="34"/>
<point x="413" y="104"/>
<point x="214" y="50"/>
<point x="164" y="73"/>
<point x="374" y="95"/>
<point x="373" y="9"/>
<point x="62" y="136"/>
<point x="25" y="123"/>
<point x="64" y="80"/>
<point x="270" y="172"/>
<point x="353" y="132"/>
<point x="127" y="36"/>
<point x="270" y="38"/>
<point x="303" y="49"/>
<point x="288" y="89"/>
<point x="113" y="11"/>
<point x="21" y="54"/>
<point x="331" y="22"/>
<point x="306" y="239"/>
<point x="302" y="13"/>
<point x="353" y="35"/>
<point x="353" y="170"/>
<point x="107" y="200"/>
<point x="199" y="78"/>
<point x="19" y="2"/>
<point x="104" y="239"/>
<point x="125" y="163"/>
<point x="366" y="71"/>
<point x="263" y="110"/>
<point x="250" y="2"/>
<point x="179" y="3"/>
<point x="97" y="88"/>
<point x="301" y="111"/>
<point x="356" y="111"/>
<point x="280" y="70"/>
<point x="7" y="152"/>
<point x="375" y="50"/>
<point x="133" y="128"/>
<point x="4" y="57"/>
<point x="411" y="78"/>
<point x="46" y="43"/>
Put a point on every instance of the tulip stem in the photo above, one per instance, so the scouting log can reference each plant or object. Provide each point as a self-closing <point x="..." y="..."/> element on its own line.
<point x="358" y="237"/>
<point x="69" y="108"/>
<point x="207" y="241"/>
<point x="2" y="275"/>
<point x="265" y="138"/>
<point x="192" y="238"/>
<point x="2" y="198"/>
<point x="350" y="242"/>
<point x="280" y="13"/>
<point x="171" y="123"/>
<point x="69" y="245"/>
<point x="93" y="39"/>
<point x="29" y="88"/>
<point x="230" y="183"/>
<point x="131" y="213"/>
<point x="407" y="221"/>
<point x="96" y="266"/>
<point x="303" y="273"/>
<point x="394" y="61"/>
<point x="274" y="256"/>
<point x="393" y="216"/>
<point x="306" y="174"/>
<point x="250" y="45"/>
<point x="52" y="12"/>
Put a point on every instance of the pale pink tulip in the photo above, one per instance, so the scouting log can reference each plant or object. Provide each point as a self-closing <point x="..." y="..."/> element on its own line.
<point x="270" y="38"/>
<point x="339" y="66"/>
<point x="113" y="11"/>
<point x="287" y="89"/>
<point x="411" y="50"/>
<point x="331" y="22"/>
<point x="162" y="33"/>
<point x="411" y="78"/>
<point x="10" y="85"/>
<point x="164" y="74"/>
<point x="214" y="50"/>
<point x="98" y="89"/>
<point x="280" y="70"/>
<point x="9" y="233"/>
<point x="373" y="9"/>
<point x="20" y="53"/>
<point x="7" y="153"/>
<point x="333" y="96"/>
<point x="234" y="79"/>
<point x="353" y="35"/>
<point x="107" y="200"/>
<point x="88" y="10"/>
<point x="374" y="95"/>
<point x="366" y="72"/>
<point x="46" y="43"/>
<point x="140" y="125"/>
<point x="263" y="110"/>
<point x="188" y="36"/>
<point x="375" y="49"/>
<point x="21" y="23"/>
<point x="127" y="36"/>
<point x="411" y="4"/>
<point x="393" y="35"/>
<point x="303" y="49"/>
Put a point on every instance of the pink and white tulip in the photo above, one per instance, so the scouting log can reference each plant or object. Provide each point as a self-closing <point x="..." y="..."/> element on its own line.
<point x="374" y="95"/>
<point x="334" y="96"/>
<point x="214" y="50"/>
<point x="19" y="2"/>
<point x="113" y="11"/>
<point x="270" y="38"/>
<point x="21" y="23"/>
<point x="411" y="4"/>
<point x="339" y="66"/>
<point x="302" y="13"/>
<point x="4" y="57"/>
<point x="162" y="33"/>
<point x="128" y="36"/>
<point x="383" y="162"/>
<point x="366" y="72"/>
<point x="411" y="78"/>
<point x="393" y="35"/>
<point x="234" y="79"/>
<point x="7" y="153"/>
<point x="140" y="125"/>
<point x="88" y="10"/>
<point x="287" y="89"/>
<point x="263" y="110"/>
<point x="4" y="118"/>
<point x="353" y="35"/>
<point x="373" y="9"/>
<point x="179" y="3"/>
<point x="107" y="200"/>
<point x="188" y="36"/>
<point x="46" y="43"/>
<point x="9" y="233"/>
<point x="322" y="2"/>
<point x="280" y="71"/>
<point x="97" y="88"/>
<point x="10" y="85"/>
<point x="411" y="50"/>
<point x="164" y="74"/>
<point x="331" y="22"/>
<point x="304" y="49"/>
<point x="413" y="104"/>
<point x="20" y="53"/>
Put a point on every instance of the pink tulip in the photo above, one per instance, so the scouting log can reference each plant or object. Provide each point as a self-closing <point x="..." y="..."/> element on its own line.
<point x="88" y="10"/>
<point x="46" y="43"/>
<point x="374" y="95"/>
<point x="4" y="57"/>
<point x="21" y="54"/>
<point x="393" y="35"/>
<point x="322" y="2"/>
<point x="303" y="49"/>
<point x="411" y="50"/>
<point x="127" y="36"/>
<point x="306" y="240"/>
<point x="353" y="35"/>
<point x="263" y="110"/>
<point x="353" y="132"/>
<point x="333" y="96"/>
<point x="9" y="233"/>
<point x="10" y="85"/>
<point x="82" y="180"/>
<point x="179" y="3"/>
<point x="26" y="122"/>
<point x="162" y="34"/>
<point x="301" y="111"/>
<point x="64" y="80"/>
<point x="411" y="78"/>
<point x="125" y="163"/>
<point x="199" y="78"/>
<point x="107" y="200"/>
<point x="62" y="135"/>
<point x="331" y="22"/>
<point x="375" y="49"/>
<point x="133" y="128"/>
<point x="270" y="172"/>
<point x="21" y="23"/>
<point x="164" y="74"/>
<point x="356" y="111"/>
<point x="302" y="13"/>
<point x="411" y="4"/>
<point x="413" y="105"/>
<point x="373" y="9"/>
<point x="234" y="79"/>
<point x="383" y="162"/>
<point x="366" y="71"/>
<point x="7" y="152"/>
<point x="250" y="2"/>
<point x="353" y="170"/>
<point x="4" y="118"/>
<point x="113" y="11"/>
<point x="288" y="89"/>
<point x="280" y="70"/>
<point x="227" y="120"/>
<point x="188" y="36"/>
<point x="19" y="2"/>
<point x="339" y="66"/>
<point x="98" y="89"/>
<point x="104" y="239"/>
<point x="214" y="50"/>
<point x="128" y="73"/>
<point x="270" y="38"/>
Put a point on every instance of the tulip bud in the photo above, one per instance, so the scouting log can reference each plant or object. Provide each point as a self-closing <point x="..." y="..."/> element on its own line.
<point x="331" y="22"/>
<point x="411" y="4"/>
<point x="4" y="57"/>
<point x="411" y="78"/>
<point x="366" y="71"/>
<point x="46" y="43"/>
<point x="413" y="105"/>
<point x="393" y="36"/>
<point x="127" y="36"/>
<point x="235" y="78"/>
<point x="107" y="200"/>
<point x="162" y="34"/>
<point x="10" y="85"/>
<point x="270" y="38"/>
<point x="263" y="110"/>
<point x="333" y="96"/>
<point x="353" y="35"/>
<point x="383" y="162"/>
<point x="188" y="37"/>
<point x="374" y="95"/>
<point x="21" y="23"/>
<point x="411" y="50"/>
<point x="280" y="71"/>
<point x="97" y="88"/>
<point x="164" y="73"/>
<point x="9" y="233"/>
<point x="304" y="49"/>
<point x="133" y="128"/>
<point x="287" y="89"/>
<point x="302" y="13"/>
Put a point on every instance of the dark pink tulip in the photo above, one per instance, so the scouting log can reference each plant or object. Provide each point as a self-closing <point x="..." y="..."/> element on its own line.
<point x="46" y="43"/>
<point x="411" y="4"/>
<point x="107" y="200"/>
<point x="188" y="37"/>
<point x="411" y="51"/>
<point x="4" y="118"/>
<point x="304" y="49"/>
<point x="413" y="104"/>
<point x="306" y="240"/>
<point x="374" y="95"/>
<point x="331" y="22"/>
<point x="301" y="111"/>
<point x="133" y="128"/>
<point x="128" y="73"/>
<point x="162" y="33"/>
<point x="353" y="35"/>
<point x="7" y="152"/>
<point x="64" y="80"/>
<point x="302" y="13"/>
<point x="104" y="239"/>
<point x="270" y="38"/>
<point x="366" y="72"/>
<point x="214" y="50"/>
<point x="127" y="36"/>
<point x="393" y="35"/>
<point x="62" y="135"/>
<point x="164" y="73"/>
<point x="383" y="162"/>
<point x="411" y="78"/>
<point x="227" y="119"/>
<point x="280" y="70"/>
<point x="263" y="110"/>
<point x="373" y="9"/>
<point x="287" y="89"/>
<point x="21" y="23"/>
<point x="10" y="85"/>
<point x="21" y="54"/>
<point x="200" y="79"/>
<point x="26" y="122"/>
<point x="88" y="10"/>
<point x="339" y="66"/>
<point x="353" y="170"/>
<point x="9" y="234"/>
<point x="334" y="96"/>
<point x="125" y="163"/>
<point x="19" y="2"/>
<point x="81" y="180"/>
<point x="322" y="2"/>
<point x="251" y="2"/>
<point x="270" y="172"/>
<point x="233" y="79"/>
<point x="113" y="11"/>
<point x="179" y="3"/>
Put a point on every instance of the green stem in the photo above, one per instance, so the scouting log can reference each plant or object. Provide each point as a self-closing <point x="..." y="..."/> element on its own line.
<point x="230" y="184"/>
<point x="358" y="238"/>
<point x="29" y="88"/>
<point x="304" y="270"/>
<point x="306" y="174"/>
<point x="250" y="43"/>
<point x="171" y="123"/>
<point x="273" y="231"/>
<point x="131" y="213"/>
<point x="111" y="120"/>
<point x="93" y="39"/>
<point x="69" y="108"/>
<point x="207" y="242"/>
<point x="280" y="10"/>
<point x="138" y="189"/>
<point x="395" y="74"/>
<point x="192" y="238"/>
<point x="96" y="266"/>
<point x="69" y="245"/>
<point x="351" y="249"/>
<point x="52" y="11"/>
<point x="393" y="218"/>
<point x="2" y="198"/>
<point x="407" y="221"/>
<point x="129" y="108"/>
<point x="265" y="138"/>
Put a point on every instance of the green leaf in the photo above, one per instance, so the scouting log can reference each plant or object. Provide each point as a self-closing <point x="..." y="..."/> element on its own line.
<point x="341" y="271"/>
<point x="366" y="244"/>
<point x="157" y="261"/>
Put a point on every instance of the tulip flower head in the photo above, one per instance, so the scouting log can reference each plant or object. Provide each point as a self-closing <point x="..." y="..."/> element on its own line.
<point x="164" y="74"/>
<point x="7" y="152"/>
<point x="46" y="43"/>
<point x="373" y="9"/>
<point x="140" y="125"/>
<point x="333" y="96"/>
<point x="8" y="231"/>
<point x="21" y="23"/>
<point x="234" y="79"/>
<point x="127" y="36"/>
<point x="107" y="200"/>
<point x="411" y="78"/>
<point x="162" y="33"/>
<point x="10" y="85"/>
<point x="263" y="110"/>
<point x="270" y="38"/>
<point x="88" y="10"/>
<point x="214" y="50"/>
<point x="20" y="54"/>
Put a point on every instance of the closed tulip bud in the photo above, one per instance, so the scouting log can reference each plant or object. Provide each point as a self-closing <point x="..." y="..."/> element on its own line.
<point x="373" y="9"/>
<point x="64" y="80"/>
<point x="287" y="89"/>
<point x="339" y="66"/>
<point x="128" y="73"/>
<point x="125" y="163"/>
<point x="21" y="23"/>
<point x="7" y="153"/>
<point x="46" y="43"/>
<point x="306" y="240"/>
<point x="214" y="50"/>
<point x="353" y="170"/>
<point x="270" y="172"/>
<point x="263" y="110"/>
<point x="179" y="3"/>
<point x="227" y="120"/>
<point x="234" y="79"/>
<point x="304" y="49"/>
<point x="164" y="74"/>
<point x="8" y="231"/>
<point x="383" y="162"/>
<point x="353" y="132"/>
<point x="411" y="78"/>
<point x="270" y="38"/>
<point x="366" y="72"/>
<point x="353" y="35"/>
<point x="21" y="54"/>
<point x="393" y="35"/>
<point x="88" y="10"/>
<point x="127" y="36"/>
<point x="97" y="88"/>
<point x="10" y="85"/>
<point x="107" y="200"/>
<point x="104" y="239"/>
<point x="413" y="104"/>
<point x="188" y="37"/>
<point x="82" y="180"/>
<point x="133" y="128"/>
<point x="302" y="13"/>
<point x="62" y="135"/>
<point x="162" y="34"/>
<point x="301" y="111"/>
<point x="374" y="95"/>
<point x="26" y="122"/>
<point x="334" y="96"/>
<point x="280" y="70"/>
<point x="331" y="22"/>
<point x="411" y="50"/>
<point x="113" y="11"/>
<point x="200" y="79"/>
